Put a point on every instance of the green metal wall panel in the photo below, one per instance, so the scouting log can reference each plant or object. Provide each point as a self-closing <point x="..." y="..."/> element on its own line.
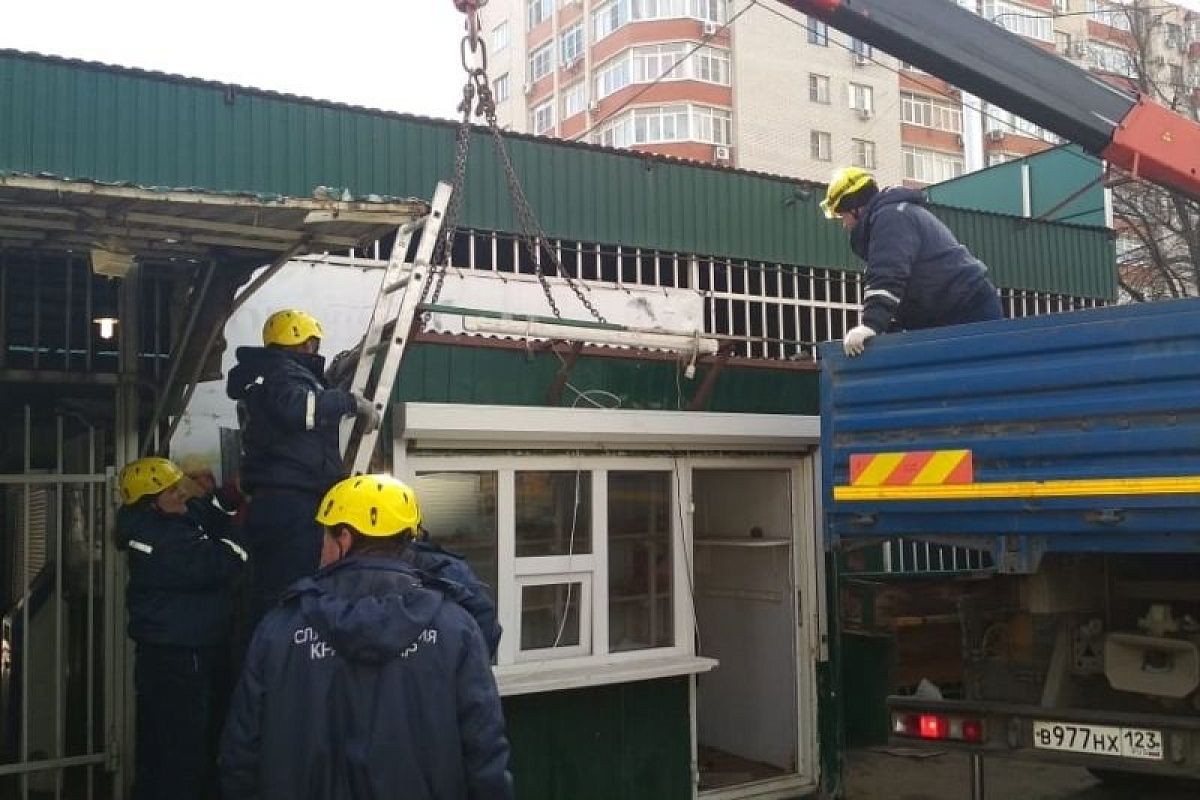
<point x="88" y="121"/>
<point x="1054" y="176"/>
<point x="624" y="742"/>
<point x="442" y="373"/>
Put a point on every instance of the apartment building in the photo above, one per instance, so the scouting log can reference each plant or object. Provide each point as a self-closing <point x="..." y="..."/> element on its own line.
<point x="760" y="86"/>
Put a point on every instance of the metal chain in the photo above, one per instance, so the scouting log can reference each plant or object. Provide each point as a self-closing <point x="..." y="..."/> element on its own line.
<point x="532" y="236"/>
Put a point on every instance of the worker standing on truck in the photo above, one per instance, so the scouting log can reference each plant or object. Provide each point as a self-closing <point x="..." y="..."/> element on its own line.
<point x="368" y="679"/>
<point x="291" y="455"/>
<point x="918" y="275"/>
<point x="182" y="563"/>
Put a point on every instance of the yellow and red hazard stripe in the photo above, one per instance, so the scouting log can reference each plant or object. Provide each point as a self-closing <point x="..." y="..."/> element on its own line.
<point x="922" y="468"/>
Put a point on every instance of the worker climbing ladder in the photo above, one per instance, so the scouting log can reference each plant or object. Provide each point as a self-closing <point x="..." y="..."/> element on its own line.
<point x="400" y="294"/>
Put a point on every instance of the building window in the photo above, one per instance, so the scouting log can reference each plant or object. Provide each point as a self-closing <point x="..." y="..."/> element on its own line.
<point x="1021" y="20"/>
<point x="821" y="143"/>
<point x="500" y="37"/>
<point x="538" y="11"/>
<point x="861" y="50"/>
<point x="997" y="119"/>
<point x="664" y="61"/>
<point x="582" y="553"/>
<point x="818" y="89"/>
<point x="862" y="97"/>
<point x="662" y="124"/>
<point x="864" y="153"/>
<point x="930" y="166"/>
<point x="500" y="88"/>
<point x="572" y="44"/>
<point x="1110" y="14"/>
<point x="711" y="64"/>
<point x="574" y="99"/>
<point x="1062" y="43"/>
<point x="641" y="610"/>
<point x="608" y="18"/>
<point x="543" y="117"/>
<point x="670" y="62"/>
<point x="613" y="76"/>
<point x="460" y="509"/>
<point x="1110" y="58"/>
<point x="1177" y="76"/>
<point x="541" y="61"/>
<point x="929" y="112"/>
<point x="996" y="157"/>
<point x="818" y="32"/>
<point x="711" y="125"/>
<point x="1173" y="35"/>
<point x="674" y="123"/>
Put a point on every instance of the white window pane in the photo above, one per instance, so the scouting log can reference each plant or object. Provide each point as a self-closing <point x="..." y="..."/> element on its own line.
<point x="550" y="615"/>
<point x="553" y="513"/>
<point x="640" y="561"/>
<point x="459" y="511"/>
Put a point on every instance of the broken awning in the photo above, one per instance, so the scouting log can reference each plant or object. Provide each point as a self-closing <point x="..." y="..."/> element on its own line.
<point x="49" y="212"/>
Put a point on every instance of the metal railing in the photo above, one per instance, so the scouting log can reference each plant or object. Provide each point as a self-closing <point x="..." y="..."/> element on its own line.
<point x="60" y="623"/>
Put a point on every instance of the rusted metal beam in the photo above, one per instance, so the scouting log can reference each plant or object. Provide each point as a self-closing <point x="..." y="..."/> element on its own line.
<point x="715" y="366"/>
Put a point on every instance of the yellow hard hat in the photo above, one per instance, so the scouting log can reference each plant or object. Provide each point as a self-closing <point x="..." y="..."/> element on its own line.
<point x="845" y="182"/>
<point x="374" y="505"/>
<point x="290" y="327"/>
<point x="147" y="477"/>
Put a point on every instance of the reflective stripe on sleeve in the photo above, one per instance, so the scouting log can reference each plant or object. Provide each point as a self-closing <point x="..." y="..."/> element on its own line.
<point x="237" y="549"/>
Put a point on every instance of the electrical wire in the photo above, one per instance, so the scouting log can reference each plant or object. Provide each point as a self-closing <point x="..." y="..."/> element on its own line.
<point x="562" y="625"/>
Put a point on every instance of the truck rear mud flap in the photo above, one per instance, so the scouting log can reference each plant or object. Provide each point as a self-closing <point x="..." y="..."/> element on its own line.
<point x="1158" y="744"/>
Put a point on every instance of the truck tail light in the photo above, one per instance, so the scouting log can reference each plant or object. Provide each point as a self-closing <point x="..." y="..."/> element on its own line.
<point x="938" y="728"/>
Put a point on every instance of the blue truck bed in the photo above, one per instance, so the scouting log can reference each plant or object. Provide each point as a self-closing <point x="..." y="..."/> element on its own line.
<point x="1073" y="432"/>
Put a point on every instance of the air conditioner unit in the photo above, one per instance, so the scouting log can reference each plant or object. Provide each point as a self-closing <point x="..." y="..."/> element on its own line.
<point x="594" y="105"/>
<point x="711" y="28"/>
<point x="721" y="153"/>
<point x="1080" y="50"/>
<point x="861" y="59"/>
<point x="864" y="113"/>
<point x="996" y="135"/>
<point x="527" y="88"/>
<point x="573" y="63"/>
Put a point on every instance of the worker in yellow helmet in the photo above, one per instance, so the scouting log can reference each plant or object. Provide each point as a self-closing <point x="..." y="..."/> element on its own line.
<point x="918" y="275"/>
<point x="369" y="678"/>
<point x="291" y="454"/>
<point x="183" y="560"/>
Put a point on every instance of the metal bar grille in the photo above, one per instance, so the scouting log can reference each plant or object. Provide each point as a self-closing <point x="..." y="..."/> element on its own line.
<point x="768" y="311"/>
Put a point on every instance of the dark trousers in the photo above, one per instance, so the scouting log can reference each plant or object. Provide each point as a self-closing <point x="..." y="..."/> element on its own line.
<point x="982" y="307"/>
<point x="285" y="543"/>
<point x="177" y="717"/>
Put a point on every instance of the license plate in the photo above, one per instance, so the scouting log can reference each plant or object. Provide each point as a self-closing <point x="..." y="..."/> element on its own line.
<point x="1101" y="740"/>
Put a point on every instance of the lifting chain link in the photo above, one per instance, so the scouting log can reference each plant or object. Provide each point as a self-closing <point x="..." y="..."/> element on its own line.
<point x="478" y="93"/>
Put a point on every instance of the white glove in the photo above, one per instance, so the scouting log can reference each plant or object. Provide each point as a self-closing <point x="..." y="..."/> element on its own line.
<point x="366" y="411"/>
<point x="856" y="340"/>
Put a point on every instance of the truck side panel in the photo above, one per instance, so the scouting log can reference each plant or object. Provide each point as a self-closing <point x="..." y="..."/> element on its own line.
<point x="1082" y="431"/>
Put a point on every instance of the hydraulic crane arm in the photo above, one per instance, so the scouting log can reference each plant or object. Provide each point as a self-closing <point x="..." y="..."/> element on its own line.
<point x="980" y="57"/>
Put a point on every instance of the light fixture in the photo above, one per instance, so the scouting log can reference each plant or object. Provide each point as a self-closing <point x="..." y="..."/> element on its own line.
<point x="108" y="326"/>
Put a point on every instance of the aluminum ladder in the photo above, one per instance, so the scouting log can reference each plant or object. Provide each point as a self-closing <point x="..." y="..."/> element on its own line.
<point x="387" y="337"/>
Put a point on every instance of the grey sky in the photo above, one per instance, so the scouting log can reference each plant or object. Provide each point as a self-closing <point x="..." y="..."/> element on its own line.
<point x="400" y="55"/>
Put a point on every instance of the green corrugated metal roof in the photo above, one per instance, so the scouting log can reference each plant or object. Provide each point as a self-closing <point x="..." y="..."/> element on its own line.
<point x="84" y="120"/>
